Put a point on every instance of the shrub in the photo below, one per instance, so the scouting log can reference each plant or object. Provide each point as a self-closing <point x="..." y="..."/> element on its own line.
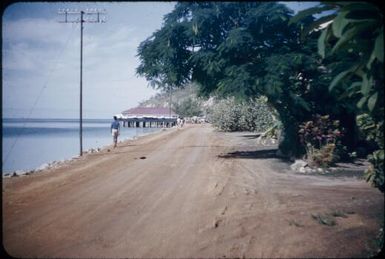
<point x="321" y="157"/>
<point x="374" y="132"/>
<point x="321" y="139"/>
<point x="230" y="115"/>
<point x="188" y="108"/>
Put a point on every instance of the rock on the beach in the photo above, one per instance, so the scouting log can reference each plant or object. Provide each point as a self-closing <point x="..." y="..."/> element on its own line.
<point x="42" y="167"/>
<point x="298" y="164"/>
<point x="302" y="170"/>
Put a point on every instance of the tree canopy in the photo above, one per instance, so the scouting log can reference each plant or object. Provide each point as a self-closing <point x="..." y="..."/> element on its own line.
<point x="248" y="49"/>
<point x="352" y="46"/>
<point x="231" y="49"/>
<point x="221" y="46"/>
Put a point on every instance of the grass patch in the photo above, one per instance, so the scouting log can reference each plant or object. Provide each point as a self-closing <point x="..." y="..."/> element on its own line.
<point x="375" y="246"/>
<point x="338" y="213"/>
<point x="324" y="219"/>
<point x="292" y="222"/>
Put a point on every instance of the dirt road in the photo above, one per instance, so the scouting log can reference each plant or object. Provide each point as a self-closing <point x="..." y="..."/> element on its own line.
<point x="190" y="193"/>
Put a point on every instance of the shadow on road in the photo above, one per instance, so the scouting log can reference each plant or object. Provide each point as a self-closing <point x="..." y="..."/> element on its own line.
<point x="252" y="136"/>
<point x="257" y="154"/>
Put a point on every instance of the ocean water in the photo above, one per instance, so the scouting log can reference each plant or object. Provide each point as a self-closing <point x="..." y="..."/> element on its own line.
<point x="29" y="144"/>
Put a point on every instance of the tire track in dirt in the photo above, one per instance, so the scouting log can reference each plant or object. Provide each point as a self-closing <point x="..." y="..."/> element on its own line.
<point x="198" y="193"/>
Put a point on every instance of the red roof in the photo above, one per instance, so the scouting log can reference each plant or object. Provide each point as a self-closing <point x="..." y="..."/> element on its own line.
<point x="146" y="111"/>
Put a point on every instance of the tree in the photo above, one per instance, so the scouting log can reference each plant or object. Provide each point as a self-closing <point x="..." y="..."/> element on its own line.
<point x="245" y="50"/>
<point x="352" y="45"/>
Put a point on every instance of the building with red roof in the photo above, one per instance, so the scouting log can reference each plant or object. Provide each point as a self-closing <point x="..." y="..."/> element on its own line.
<point x="148" y="117"/>
<point x="149" y="112"/>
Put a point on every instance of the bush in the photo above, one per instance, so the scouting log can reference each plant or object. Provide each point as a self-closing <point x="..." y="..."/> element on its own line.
<point x="230" y="115"/>
<point x="189" y="107"/>
<point x="322" y="157"/>
<point x="374" y="132"/>
<point x="321" y="139"/>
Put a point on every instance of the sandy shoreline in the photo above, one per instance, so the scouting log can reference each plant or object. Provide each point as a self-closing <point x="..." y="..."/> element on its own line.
<point x="58" y="163"/>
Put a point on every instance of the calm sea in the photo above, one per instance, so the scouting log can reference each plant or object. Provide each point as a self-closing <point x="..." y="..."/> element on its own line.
<point x="29" y="144"/>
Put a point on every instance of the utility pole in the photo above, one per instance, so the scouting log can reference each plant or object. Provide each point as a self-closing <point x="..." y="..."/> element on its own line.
<point x="90" y="14"/>
<point x="169" y="102"/>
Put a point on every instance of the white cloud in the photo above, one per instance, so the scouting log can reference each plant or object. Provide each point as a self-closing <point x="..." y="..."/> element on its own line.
<point x="41" y="64"/>
<point x="36" y="30"/>
<point x="20" y="57"/>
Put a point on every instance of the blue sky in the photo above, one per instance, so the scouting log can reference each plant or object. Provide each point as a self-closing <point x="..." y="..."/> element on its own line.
<point x="41" y="58"/>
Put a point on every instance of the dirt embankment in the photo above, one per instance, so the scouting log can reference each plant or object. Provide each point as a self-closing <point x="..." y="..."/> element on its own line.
<point x="184" y="193"/>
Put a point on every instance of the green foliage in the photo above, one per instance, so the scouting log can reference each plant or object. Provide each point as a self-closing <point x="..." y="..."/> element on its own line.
<point x="320" y="137"/>
<point x="356" y="31"/>
<point x="374" y="132"/>
<point x="322" y="157"/>
<point x="352" y="33"/>
<point x="219" y="45"/>
<point x="246" y="50"/>
<point x="352" y="46"/>
<point x="231" y="115"/>
<point x="225" y="115"/>
<point x="273" y="132"/>
<point x="378" y="242"/>
<point x="375" y="173"/>
<point x="188" y="108"/>
<point x="320" y="131"/>
<point x="324" y="219"/>
<point x="179" y="95"/>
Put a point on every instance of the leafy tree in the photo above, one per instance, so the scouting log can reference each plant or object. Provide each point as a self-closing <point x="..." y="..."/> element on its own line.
<point x="246" y="50"/>
<point x="352" y="45"/>
<point x="353" y="42"/>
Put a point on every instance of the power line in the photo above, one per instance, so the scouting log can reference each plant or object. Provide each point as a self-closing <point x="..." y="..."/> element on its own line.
<point x="87" y="16"/>
<point x="59" y="55"/>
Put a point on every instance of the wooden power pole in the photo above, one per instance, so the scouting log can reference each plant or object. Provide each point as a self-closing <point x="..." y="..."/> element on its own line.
<point x="88" y="16"/>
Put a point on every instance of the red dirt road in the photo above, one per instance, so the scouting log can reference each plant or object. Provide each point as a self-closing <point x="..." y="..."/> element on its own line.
<point x="195" y="193"/>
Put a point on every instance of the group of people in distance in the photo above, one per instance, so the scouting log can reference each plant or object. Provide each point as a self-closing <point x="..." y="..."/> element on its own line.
<point x="180" y="122"/>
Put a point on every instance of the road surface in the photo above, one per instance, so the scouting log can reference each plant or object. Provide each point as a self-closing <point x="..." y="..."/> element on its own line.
<point x="187" y="193"/>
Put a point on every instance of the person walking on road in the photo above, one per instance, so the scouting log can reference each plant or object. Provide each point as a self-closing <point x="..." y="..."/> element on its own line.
<point x="115" y="128"/>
